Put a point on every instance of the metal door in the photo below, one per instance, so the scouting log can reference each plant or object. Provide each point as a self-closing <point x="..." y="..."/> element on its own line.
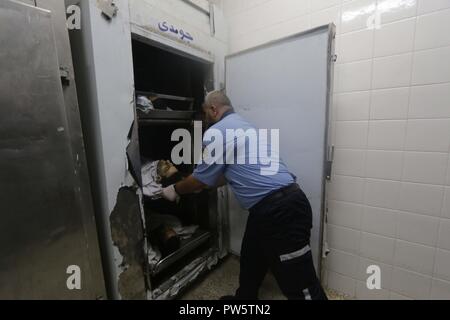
<point x="286" y="85"/>
<point x="47" y="225"/>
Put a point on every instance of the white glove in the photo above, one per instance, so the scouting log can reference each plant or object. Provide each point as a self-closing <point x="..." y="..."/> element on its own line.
<point x="170" y="194"/>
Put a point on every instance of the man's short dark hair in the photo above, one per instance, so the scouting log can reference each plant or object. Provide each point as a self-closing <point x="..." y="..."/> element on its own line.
<point x="218" y="99"/>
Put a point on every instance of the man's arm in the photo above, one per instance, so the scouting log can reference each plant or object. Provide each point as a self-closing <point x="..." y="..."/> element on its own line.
<point x="189" y="185"/>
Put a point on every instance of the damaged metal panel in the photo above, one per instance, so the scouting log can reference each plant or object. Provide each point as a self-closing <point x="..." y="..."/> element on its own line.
<point x="127" y="232"/>
<point x="180" y="281"/>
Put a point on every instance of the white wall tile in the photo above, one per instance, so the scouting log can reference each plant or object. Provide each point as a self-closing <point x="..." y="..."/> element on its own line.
<point x="351" y="134"/>
<point x="343" y="263"/>
<point x="343" y="239"/>
<point x="356" y="46"/>
<point x="428" y="135"/>
<point x="240" y="23"/>
<point x="382" y="193"/>
<point x="440" y="290"/>
<point x="396" y="10"/>
<point x="247" y="41"/>
<point x="421" y="198"/>
<point x="353" y="106"/>
<point x="318" y="5"/>
<point x="344" y="214"/>
<point x="327" y="16"/>
<point x="387" y="135"/>
<point x="275" y="12"/>
<point x="414" y="257"/>
<point x="393" y="71"/>
<point x="446" y="206"/>
<point x="394" y="38"/>
<point x="355" y="76"/>
<point x="384" y="164"/>
<point x="431" y="66"/>
<point x="232" y="7"/>
<point x="348" y="189"/>
<point x="417" y="228"/>
<point x="411" y="284"/>
<point x="363" y="293"/>
<point x="430" y="101"/>
<point x="390" y="104"/>
<point x="368" y="151"/>
<point x="444" y="235"/>
<point x="431" y="30"/>
<point x="385" y="269"/>
<point x="379" y="221"/>
<point x="425" y="167"/>
<point x="426" y="6"/>
<point x="377" y="247"/>
<point x="341" y="283"/>
<point x="349" y="162"/>
<point x="356" y="13"/>
<point x="249" y="4"/>
<point x="285" y="28"/>
<point x="442" y="264"/>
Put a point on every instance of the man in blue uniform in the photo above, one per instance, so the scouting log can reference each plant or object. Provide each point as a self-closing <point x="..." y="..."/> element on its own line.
<point x="279" y="226"/>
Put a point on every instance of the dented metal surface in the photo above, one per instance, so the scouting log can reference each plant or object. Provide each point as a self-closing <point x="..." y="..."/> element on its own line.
<point x="173" y="287"/>
<point x="127" y="231"/>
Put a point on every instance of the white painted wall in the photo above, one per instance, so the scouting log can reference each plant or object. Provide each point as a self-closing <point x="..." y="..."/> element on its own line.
<point x="145" y="15"/>
<point x="390" y="194"/>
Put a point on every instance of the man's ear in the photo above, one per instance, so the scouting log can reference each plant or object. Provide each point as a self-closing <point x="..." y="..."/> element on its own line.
<point x="214" y="109"/>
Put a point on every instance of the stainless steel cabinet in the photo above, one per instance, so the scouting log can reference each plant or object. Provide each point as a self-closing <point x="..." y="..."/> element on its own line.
<point x="46" y="217"/>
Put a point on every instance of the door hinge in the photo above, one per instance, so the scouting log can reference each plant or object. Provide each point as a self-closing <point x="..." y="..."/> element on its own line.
<point x="65" y="75"/>
<point x="108" y="8"/>
<point x="329" y="163"/>
<point x="212" y="21"/>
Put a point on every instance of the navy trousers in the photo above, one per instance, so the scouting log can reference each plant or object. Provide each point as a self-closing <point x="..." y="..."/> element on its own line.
<point x="277" y="237"/>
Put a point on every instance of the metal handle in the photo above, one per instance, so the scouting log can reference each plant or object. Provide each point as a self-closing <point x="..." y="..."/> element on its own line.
<point x="329" y="163"/>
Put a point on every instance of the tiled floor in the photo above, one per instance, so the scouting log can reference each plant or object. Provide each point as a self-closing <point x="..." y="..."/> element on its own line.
<point x="223" y="280"/>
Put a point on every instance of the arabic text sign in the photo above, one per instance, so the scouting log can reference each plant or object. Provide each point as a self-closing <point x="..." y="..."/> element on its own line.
<point x="164" y="27"/>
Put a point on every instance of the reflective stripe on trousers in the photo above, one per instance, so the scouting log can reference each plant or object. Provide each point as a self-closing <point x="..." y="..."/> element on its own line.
<point x="296" y="254"/>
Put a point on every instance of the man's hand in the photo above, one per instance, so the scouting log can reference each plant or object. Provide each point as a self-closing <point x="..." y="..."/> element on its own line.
<point x="170" y="194"/>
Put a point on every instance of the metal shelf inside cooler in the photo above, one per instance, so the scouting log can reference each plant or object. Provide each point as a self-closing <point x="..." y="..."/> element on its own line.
<point x="188" y="245"/>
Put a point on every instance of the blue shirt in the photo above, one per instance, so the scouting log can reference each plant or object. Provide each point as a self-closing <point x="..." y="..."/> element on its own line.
<point x="249" y="172"/>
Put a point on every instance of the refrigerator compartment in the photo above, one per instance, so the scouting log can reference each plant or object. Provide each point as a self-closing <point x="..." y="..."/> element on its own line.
<point x="187" y="246"/>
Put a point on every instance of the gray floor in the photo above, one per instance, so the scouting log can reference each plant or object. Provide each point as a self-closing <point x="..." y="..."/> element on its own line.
<point x="223" y="280"/>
